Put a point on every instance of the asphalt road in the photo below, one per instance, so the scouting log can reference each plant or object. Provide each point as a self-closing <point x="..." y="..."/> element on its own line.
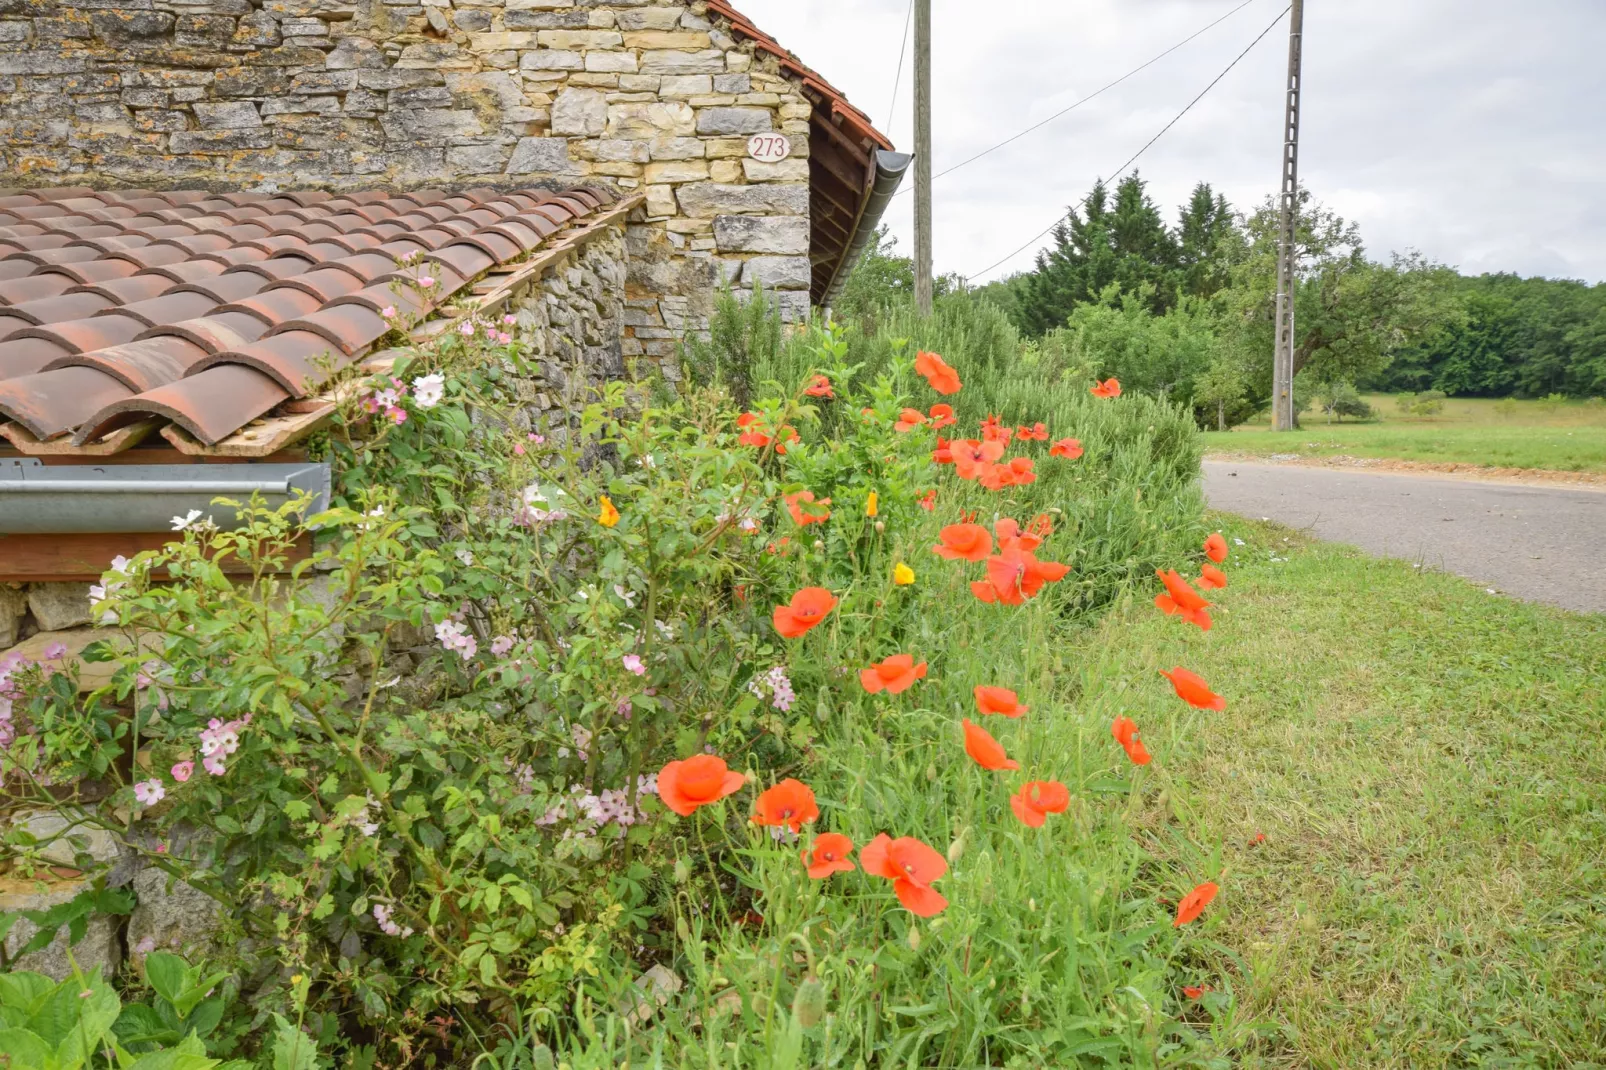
<point x="1540" y="544"/>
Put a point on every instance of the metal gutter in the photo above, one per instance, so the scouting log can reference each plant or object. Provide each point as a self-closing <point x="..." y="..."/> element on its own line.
<point x="890" y="167"/>
<point x="36" y="499"/>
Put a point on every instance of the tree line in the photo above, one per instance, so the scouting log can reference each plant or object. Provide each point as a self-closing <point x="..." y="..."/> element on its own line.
<point x="1188" y="310"/>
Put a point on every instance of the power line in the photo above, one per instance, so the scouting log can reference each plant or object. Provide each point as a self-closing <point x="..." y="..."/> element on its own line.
<point x="1150" y="144"/>
<point x="903" y="50"/>
<point x="1096" y="93"/>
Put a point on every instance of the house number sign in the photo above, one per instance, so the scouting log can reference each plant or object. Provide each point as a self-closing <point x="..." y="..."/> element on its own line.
<point x="769" y="148"/>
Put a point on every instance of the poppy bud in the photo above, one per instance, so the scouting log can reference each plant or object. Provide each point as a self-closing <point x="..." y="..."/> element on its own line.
<point x="956" y="850"/>
<point x="1031" y="905"/>
<point x="808" y="1006"/>
<point x="682" y="871"/>
<point x="931" y="773"/>
<point x="541" y="1058"/>
<point x="819" y="544"/>
<point x="914" y="938"/>
<point x="681" y="930"/>
<point x="881" y="525"/>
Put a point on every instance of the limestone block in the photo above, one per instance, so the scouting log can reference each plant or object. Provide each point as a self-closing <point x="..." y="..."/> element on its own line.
<point x="353" y="53"/>
<point x="649" y="120"/>
<point x="541" y="155"/>
<point x="124" y="27"/>
<point x="795" y="110"/>
<point x="98" y="948"/>
<point x="738" y="61"/>
<point x="41" y="63"/>
<point x="538" y="5"/>
<point x="13" y="607"/>
<point x="581" y="112"/>
<point x="552" y="59"/>
<point x="170" y="915"/>
<point x="725" y="171"/>
<point x="760" y="234"/>
<point x="726" y="148"/>
<point x="788" y="170"/>
<point x="677" y="148"/>
<point x="649" y="18"/>
<point x="496" y="42"/>
<point x="667" y="39"/>
<point x="57" y="606"/>
<point x="794" y="305"/>
<point x="429" y="124"/>
<point x="259" y="29"/>
<point x="732" y="83"/>
<point x="12" y="33"/>
<point x="611" y="62"/>
<point x="686" y="85"/>
<point x="64" y="844"/>
<point x="708" y="199"/>
<point x="677" y="171"/>
<point x="759" y="100"/>
<point x="584" y="39"/>
<point x="620" y="151"/>
<point x="395" y="78"/>
<point x="639" y="83"/>
<point x="730" y="122"/>
<point x="661" y="201"/>
<point x="476" y="159"/>
<point x="779" y="272"/>
<point x="232" y="115"/>
<point x="705" y="61"/>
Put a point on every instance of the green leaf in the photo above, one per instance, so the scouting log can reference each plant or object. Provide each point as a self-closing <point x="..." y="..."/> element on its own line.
<point x="23" y="1048"/>
<point x="205" y="1017"/>
<point x="139" y="1024"/>
<point x="297" y="810"/>
<point x="167" y="974"/>
<point x="488" y="969"/>
<point x="292" y="1049"/>
<point x="21" y="994"/>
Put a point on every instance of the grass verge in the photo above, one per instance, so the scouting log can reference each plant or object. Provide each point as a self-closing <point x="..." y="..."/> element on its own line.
<point x="1568" y="437"/>
<point x="1423" y="762"/>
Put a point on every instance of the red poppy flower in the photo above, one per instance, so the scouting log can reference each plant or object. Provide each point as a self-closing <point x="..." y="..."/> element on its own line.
<point x="1212" y="578"/>
<point x="1181" y="600"/>
<point x="984" y="750"/>
<point x="1021" y="469"/>
<point x="1194" y="902"/>
<point x="993" y="430"/>
<point x="928" y="501"/>
<point x="908" y="420"/>
<point x="1017" y="574"/>
<point x="893" y="675"/>
<point x="1042" y="526"/>
<point x="1125" y="731"/>
<point x="1195" y="991"/>
<point x="1069" y="448"/>
<point x="1037" y="799"/>
<point x="964" y="542"/>
<point x="788" y="803"/>
<point x="752" y="431"/>
<point x="1110" y="388"/>
<point x="935" y="370"/>
<point x="1010" y="535"/>
<point x="1036" y="433"/>
<point x="1260" y="837"/>
<point x="984" y="591"/>
<point x="696" y="782"/>
<point x="942" y="415"/>
<point x="944" y="453"/>
<point x="779" y="547"/>
<point x="829" y="855"/>
<point x="804" y="517"/>
<point x="996" y="477"/>
<point x="912" y="867"/>
<point x="1215" y="548"/>
<point x="1192" y="689"/>
<point x="972" y="458"/>
<point x="820" y="388"/>
<point x="809" y="607"/>
<point x="998" y="700"/>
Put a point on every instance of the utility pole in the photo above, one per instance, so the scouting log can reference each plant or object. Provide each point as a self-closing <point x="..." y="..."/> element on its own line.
<point x="923" y="244"/>
<point x="1282" y="385"/>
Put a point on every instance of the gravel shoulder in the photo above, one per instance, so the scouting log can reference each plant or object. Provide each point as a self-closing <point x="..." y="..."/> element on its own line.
<point x="1540" y="543"/>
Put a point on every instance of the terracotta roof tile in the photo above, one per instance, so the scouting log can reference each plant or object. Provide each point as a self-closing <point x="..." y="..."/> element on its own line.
<point x="208" y="310"/>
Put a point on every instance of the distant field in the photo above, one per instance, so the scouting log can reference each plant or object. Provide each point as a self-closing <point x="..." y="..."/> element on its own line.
<point x="1569" y="438"/>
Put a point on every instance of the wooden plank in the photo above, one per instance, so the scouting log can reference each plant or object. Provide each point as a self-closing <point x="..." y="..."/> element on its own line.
<point x="81" y="558"/>
<point x="546" y="256"/>
<point x="115" y="442"/>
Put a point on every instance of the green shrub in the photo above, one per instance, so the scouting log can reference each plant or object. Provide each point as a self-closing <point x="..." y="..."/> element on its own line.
<point x="1506" y="406"/>
<point x="1426" y="403"/>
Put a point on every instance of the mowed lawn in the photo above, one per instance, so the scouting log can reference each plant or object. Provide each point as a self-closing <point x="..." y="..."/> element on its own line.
<point x="1426" y="764"/>
<point x="1569" y="437"/>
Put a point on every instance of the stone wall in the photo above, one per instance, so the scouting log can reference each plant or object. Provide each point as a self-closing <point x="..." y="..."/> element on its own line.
<point x="645" y="95"/>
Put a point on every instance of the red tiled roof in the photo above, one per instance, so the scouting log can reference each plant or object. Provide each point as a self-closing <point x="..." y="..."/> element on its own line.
<point x="209" y="310"/>
<point x="853" y="121"/>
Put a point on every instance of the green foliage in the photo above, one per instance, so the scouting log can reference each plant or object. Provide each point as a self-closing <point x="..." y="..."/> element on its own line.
<point x="1340" y="399"/>
<point x="74" y="914"/>
<point x="740" y="332"/>
<point x="1427" y="403"/>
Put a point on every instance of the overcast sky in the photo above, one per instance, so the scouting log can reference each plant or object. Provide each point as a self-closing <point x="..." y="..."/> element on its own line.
<point x="1472" y="130"/>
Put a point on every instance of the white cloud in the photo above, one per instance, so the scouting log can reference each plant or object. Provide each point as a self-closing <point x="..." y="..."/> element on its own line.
<point x="1469" y="129"/>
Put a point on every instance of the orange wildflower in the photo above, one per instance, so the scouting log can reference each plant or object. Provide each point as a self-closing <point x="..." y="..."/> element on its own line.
<point x="983" y="591"/>
<point x="1036" y="433"/>
<point x="996" y="477"/>
<point x="1021" y="469"/>
<point x="944" y="453"/>
<point x="1010" y="535"/>
<point x="1194" y="902"/>
<point x="984" y="750"/>
<point x="1016" y="573"/>
<point x="1215" y="548"/>
<point x="912" y="867"/>
<point x="964" y="542"/>
<point x="1037" y="799"/>
<point x="928" y="501"/>
<point x="1110" y="388"/>
<point x="804" y="517"/>
<point x="1125" y="731"/>
<point x="752" y="431"/>
<point x="972" y="458"/>
<point x="1181" y="600"/>
<point x="998" y="700"/>
<point x="820" y="388"/>
<point x="1192" y="689"/>
<point x="808" y="607"/>
<point x="1069" y="448"/>
<point x="696" y="782"/>
<point x="788" y="803"/>
<point x="1195" y="991"/>
<point x="893" y="675"/>
<point x="908" y="420"/>
<point x="942" y="415"/>
<point x="935" y="370"/>
<point x="829" y="855"/>
<point x="1042" y="526"/>
<point x="1212" y="578"/>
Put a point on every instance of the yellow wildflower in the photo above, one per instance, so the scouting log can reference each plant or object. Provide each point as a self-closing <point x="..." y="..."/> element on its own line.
<point x="872" y="505"/>
<point x="903" y="575"/>
<point x="609" y="515"/>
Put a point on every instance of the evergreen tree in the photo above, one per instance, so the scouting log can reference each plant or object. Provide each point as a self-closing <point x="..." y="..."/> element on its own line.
<point x="1204" y="235"/>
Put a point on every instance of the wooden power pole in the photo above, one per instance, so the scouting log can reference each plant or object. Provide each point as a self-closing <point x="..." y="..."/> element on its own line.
<point x="923" y="243"/>
<point x="1282" y="385"/>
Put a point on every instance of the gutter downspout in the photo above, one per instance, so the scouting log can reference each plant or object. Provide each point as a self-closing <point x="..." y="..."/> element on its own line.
<point x="890" y="167"/>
